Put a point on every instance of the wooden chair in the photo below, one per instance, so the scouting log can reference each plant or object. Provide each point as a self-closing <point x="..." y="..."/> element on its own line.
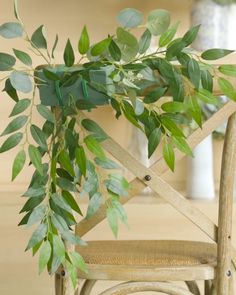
<point x="155" y="265"/>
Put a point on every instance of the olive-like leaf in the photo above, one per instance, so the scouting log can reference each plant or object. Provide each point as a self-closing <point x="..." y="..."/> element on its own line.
<point x="7" y="61"/>
<point x="23" y="57"/>
<point x="100" y="47"/>
<point x="167" y="36"/>
<point x="18" y="164"/>
<point x="215" y="53"/>
<point x="69" y="57"/>
<point x="191" y="35"/>
<point x="11" y="142"/>
<point x="38" y="39"/>
<point x="37" y="236"/>
<point x="228" y="70"/>
<point x="145" y="41"/>
<point x="84" y="42"/>
<point x="169" y="155"/>
<point x="44" y="255"/>
<point x="15" y="125"/>
<point x="36" y="158"/>
<point x="114" y="51"/>
<point x="20" y="107"/>
<point x="153" y="141"/>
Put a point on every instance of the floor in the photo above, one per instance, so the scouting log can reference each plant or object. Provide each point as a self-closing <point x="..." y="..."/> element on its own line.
<point x="147" y="220"/>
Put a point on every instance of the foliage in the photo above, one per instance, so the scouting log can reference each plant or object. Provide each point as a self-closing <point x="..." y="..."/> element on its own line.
<point x="67" y="151"/>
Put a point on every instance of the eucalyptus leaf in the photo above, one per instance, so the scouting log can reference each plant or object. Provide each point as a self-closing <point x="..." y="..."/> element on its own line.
<point x="107" y="163"/>
<point x="130" y="18"/>
<point x="11" y="30"/>
<point x="145" y="41"/>
<point x="206" y="96"/>
<point x="207" y="80"/>
<point x="182" y="145"/>
<point x="158" y="21"/>
<point x="93" y="127"/>
<point x="64" y="160"/>
<point x="60" y="202"/>
<point x="21" y="81"/>
<point x="66" y="185"/>
<point x="18" y="164"/>
<point x="173" y="106"/>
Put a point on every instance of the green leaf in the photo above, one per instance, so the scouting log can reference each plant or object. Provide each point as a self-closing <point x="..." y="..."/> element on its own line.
<point x="216" y="53"/>
<point x="36" y="158"/>
<point x="154" y="95"/>
<point x="58" y="248"/>
<point x="71" y="201"/>
<point x="37" y="215"/>
<point x="11" y="30"/>
<point x="173" y="107"/>
<point x="37" y="236"/>
<point x="44" y="255"/>
<point x="60" y="202"/>
<point x="207" y="80"/>
<point x="23" y="57"/>
<point x="54" y="46"/>
<point x="195" y="111"/>
<point x="227" y="88"/>
<point x="130" y="18"/>
<point x="128" y="44"/>
<point x="32" y="203"/>
<point x="10" y="90"/>
<point x="194" y="72"/>
<point x="100" y="47"/>
<point x="65" y="162"/>
<point x="45" y="113"/>
<point x="84" y="42"/>
<point x="7" y="61"/>
<point x="38" y="39"/>
<point x="106" y="163"/>
<point x="169" y="155"/>
<point x="35" y="192"/>
<point x="69" y="56"/>
<point x="171" y="126"/>
<point x="145" y="41"/>
<point x="114" y="51"/>
<point x="50" y="75"/>
<point x="120" y="211"/>
<point x="20" y="106"/>
<point x="15" y="125"/>
<point x="158" y="21"/>
<point x="73" y="239"/>
<point x="228" y="70"/>
<point x="81" y="159"/>
<point x="66" y="185"/>
<point x="93" y="146"/>
<point x="39" y="137"/>
<point x="18" y="164"/>
<point x="93" y="127"/>
<point x="21" y="81"/>
<point x="153" y="141"/>
<point x="191" y="35"/>
<point x="11" y="142"/>
<point x="112" y="219"/>
<point x="182" y="145"/>
<point x="206" y="96"/>
<point x="167" y="36"/>
<point x="175" y="48"/>
<point x="94" y="204"/>
<point x="78" y="261"/>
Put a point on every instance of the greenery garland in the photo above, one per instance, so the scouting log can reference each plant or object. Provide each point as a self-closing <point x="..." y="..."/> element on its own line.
<point x="66" y="151"/>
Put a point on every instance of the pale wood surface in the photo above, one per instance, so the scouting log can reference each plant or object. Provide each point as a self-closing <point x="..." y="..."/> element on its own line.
<point x="18" y="271"/>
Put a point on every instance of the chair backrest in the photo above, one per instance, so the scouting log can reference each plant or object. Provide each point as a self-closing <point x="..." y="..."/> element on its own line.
<point x="224" y="246"/>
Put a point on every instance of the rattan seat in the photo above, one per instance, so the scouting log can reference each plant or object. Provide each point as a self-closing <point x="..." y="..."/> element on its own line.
<point x="148" y="256"/>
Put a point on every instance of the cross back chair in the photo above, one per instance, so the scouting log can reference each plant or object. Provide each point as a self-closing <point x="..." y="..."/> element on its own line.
<point x="155" y="265"/>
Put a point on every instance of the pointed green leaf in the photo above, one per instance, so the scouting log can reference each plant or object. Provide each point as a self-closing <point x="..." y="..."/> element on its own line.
<point x="36" y="158"/>
<point x="227" y="88"/>
<point x="167" y="36"/>
<point x="114" y="51"/>
<point x="58" y="248"/>
<point x="66" y="185"/>
<point x="81" y="159"/>
<point x="228" y="70"/>
<point x="18" y="164"/>
<point x="69" y="57"/>
<point x="100" y="47"/>
<point x="70" y="200"/>
<point x="130" y="18"/>
<point x="23" y="57"/>
<point x="94" y="204"/>
<point x="106" y="163"/>
<point x="145" y="41"/>
<point x="171" y="126"/>
<point x="153" y="141"/>
<point x="84" y="42"/>
<point x="11" y="30"/>
<point x="37" y="215"/>
<point x="94" y="146"/>
<point x="158" y="21"/>
<point x="93" y="127"/>
<point x="207" y="80"/>
<point x="38" y="39"/>
<point x="216" y="53"/>
<point x="45" y="113"/>
<point x="11" y="91"/>
<point x="37" y="236"/>
<point x="7" y="61"/>
<point x="182" y="145"/>
<point x="21" y="81"/>
<point x="60" y="202"/>
<point x="195" y="111"/>
<point x="154" y="95"/>
<point x="169" y="155"/>
<point x="44" y="255"/>
<point x="112" y="219"/>
<point x="194" y="72"/>
<point x="20" y="106"/>
<point x="64" y="160"/>
<point x="79" y="262"/>
<point x="54" y="46"/>
<point x="11" y="142"/>
<point x="191" y="35"/>
<point x="39" y="136"/>
<point x="15" y="125"/>
<point x="173" y="107"/>
<point x="206" y="96"/>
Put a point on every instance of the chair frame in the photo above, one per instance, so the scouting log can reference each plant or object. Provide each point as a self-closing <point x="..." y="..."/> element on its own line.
<point x="151" y="177"/>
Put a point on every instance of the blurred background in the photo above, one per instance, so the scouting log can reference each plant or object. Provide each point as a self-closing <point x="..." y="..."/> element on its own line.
<point x="18" y="271"/>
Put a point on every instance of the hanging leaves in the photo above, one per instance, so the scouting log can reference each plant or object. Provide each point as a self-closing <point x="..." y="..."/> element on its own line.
<point x="23" y="57"/>
<point x="7" y="61"/>
<point x="18" y="164"/>
<point x="213" y="54"/>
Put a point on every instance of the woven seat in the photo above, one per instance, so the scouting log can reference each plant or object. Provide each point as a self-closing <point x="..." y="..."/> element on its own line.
<point x="148" y="256"/>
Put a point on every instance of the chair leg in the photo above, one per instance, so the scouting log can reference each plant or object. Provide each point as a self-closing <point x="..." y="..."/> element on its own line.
<point x="208" y="287"/>
<point x="87" y="287"/>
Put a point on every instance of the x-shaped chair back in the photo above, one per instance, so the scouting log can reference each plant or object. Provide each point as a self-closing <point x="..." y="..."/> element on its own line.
<point x="151" y="177"/>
